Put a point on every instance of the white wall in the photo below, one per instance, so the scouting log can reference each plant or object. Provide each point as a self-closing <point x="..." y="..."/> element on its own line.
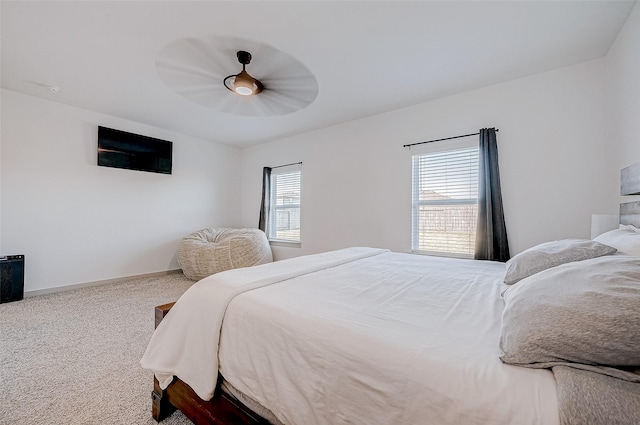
<point x="356" y="176"/>
<point x="563" y="137"/>
<point x="77" y="222"/>
<point x="623" y="102"/>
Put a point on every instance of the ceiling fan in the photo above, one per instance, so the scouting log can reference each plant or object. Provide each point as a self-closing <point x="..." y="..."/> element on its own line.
<point x="243" y="83"/>
<point x="205" y="71"/>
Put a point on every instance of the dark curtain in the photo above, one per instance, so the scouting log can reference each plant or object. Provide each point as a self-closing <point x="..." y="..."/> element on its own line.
<point x="491" y="233"/>
<point x="266" y="198"/>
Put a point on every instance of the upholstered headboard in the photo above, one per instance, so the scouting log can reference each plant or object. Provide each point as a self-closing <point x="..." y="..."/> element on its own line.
<point x="630" y="180"/>
<point x="630" y="185"/>
<point x="630" y="213"/>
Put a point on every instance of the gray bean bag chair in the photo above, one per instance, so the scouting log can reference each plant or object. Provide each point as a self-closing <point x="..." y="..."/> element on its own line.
<point x="217" y="249"/>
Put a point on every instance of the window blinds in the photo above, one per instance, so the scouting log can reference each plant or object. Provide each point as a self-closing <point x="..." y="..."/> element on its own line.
<point x="445" y="202"/>
<point x="284" y="214"/>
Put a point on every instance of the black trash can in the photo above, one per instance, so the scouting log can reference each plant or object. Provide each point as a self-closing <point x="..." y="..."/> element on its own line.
<point x="11" y="278"/>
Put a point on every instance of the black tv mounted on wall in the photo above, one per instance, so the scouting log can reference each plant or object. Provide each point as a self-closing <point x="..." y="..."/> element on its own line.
<point x="120" y="149"/>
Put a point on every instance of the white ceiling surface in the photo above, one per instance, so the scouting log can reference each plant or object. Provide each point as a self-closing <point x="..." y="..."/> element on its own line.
<point x="368" y="57"/>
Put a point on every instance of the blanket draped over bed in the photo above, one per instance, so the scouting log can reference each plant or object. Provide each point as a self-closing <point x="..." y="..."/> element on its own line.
<point x="359" y="335"/>
<point x="186" y="342"/>
<point x="589" y="398"/>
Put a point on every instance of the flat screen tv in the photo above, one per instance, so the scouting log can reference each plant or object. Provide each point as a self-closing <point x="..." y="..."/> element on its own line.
<point x="120" y="149"/>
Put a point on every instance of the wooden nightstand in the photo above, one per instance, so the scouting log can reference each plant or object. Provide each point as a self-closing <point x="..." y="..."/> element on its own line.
<point x="161" y="311"/>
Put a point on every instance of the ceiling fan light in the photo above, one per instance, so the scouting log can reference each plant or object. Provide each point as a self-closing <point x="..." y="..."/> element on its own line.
<point x="243" y="91"/>
<point x="244" y="84"/>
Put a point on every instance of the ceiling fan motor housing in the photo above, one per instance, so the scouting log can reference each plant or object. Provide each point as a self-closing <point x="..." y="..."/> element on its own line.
<point x="244" y="57"/>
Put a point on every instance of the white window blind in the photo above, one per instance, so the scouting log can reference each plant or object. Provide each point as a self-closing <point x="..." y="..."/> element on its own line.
<point x="445" y="202"/>
<point x="284" y="209"/>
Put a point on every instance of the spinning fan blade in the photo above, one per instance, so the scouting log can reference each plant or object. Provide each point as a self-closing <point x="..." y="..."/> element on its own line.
<point x="196" y="68"/>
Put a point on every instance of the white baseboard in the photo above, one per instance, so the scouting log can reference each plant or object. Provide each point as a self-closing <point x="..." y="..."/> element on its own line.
<point x="98" y="282"/>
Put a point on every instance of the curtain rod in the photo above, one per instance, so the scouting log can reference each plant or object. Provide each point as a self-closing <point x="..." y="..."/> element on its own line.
<point x="446" y="138"/>
<point x="286" y="165"/>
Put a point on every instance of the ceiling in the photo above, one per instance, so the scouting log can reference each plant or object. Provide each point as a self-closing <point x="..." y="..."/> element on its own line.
<point x="367" y="57"/>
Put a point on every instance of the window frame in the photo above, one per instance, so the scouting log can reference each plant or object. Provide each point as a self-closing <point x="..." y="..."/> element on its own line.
<point x="435" y="148"/>
<point x="272" y="216"/>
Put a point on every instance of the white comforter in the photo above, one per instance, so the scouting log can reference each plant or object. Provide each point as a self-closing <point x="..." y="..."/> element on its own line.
<point x="185" y="344"/>
<point x="362" y="336"/>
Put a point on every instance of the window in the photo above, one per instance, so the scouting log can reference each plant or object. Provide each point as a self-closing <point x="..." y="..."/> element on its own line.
<point x="445" y="202"/>
<point x="284" y="205"/>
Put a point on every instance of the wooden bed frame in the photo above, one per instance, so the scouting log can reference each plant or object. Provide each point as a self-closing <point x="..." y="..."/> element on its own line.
<point x="222" y="409"/>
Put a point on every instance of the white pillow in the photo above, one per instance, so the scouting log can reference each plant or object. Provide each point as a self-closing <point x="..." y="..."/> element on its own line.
<point x="626" y="240"/>
<point x="551" y="254"/>
<point x="630" y="227"/>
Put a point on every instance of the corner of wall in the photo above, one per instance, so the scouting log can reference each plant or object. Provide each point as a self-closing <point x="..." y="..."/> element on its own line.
<point x="77" y="222"/>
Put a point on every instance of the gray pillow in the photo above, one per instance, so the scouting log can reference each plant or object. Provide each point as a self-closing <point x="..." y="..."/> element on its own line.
<point x="583" y="314"/>
<point x="551" y="254"/>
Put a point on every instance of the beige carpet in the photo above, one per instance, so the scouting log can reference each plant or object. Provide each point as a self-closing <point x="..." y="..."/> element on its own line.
<point x="73" y="357"/>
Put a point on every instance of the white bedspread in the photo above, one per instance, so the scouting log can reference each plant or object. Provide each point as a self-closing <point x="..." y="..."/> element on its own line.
<point x="185" y="344"/>
<point x="386" y="339"/>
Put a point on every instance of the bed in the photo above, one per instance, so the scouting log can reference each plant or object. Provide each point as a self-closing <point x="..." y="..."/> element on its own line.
<point x="368" y="336"/>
